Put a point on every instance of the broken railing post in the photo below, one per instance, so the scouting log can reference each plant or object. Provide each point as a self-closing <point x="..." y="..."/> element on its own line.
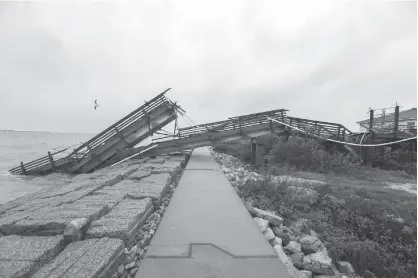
<point x="51" y="160"/>
<point x="22" y="167"/>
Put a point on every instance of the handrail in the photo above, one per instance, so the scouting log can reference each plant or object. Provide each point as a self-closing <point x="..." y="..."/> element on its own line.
<point x="42" y="161"/>
<point x="233" y="123"/>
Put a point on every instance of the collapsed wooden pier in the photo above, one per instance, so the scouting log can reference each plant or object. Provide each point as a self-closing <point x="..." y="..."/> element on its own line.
<point x="119" y="141"/>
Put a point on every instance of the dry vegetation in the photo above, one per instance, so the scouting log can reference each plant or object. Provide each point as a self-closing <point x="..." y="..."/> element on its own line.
<point x="360" y="218"/>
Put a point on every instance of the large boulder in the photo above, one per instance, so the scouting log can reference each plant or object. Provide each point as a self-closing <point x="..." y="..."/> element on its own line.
<point x="284" y="233"/>
<point x="307" y="273"/>
<point x="318" y="263"/>
<point x="269" y="216"/>
<point x="311" y="244"/>
<point x="297" y="260"/>
<point x="268" y="233"/>
<point x="345" y="267"/>
<point x="293" y="247"/>
<point x="292" y="270"/>
<point x="277" y="241"/>
<point x="226" y="169"/>
<point x="261" y="223"/>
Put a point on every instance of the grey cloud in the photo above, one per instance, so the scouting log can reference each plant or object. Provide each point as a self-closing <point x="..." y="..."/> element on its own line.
<point x="219" y="60"/>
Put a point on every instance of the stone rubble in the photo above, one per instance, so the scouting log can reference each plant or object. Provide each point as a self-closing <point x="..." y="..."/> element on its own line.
<point x="143" y="238"/>
<point x="298" y="247"/>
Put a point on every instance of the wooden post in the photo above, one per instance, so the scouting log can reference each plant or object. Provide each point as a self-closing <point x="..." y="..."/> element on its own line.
<point x="339" y="131"/>
<point x="259" y="155"/>
<point x="51" y="160"/>
<point x="22" y="167"/>
<point x="369" y="151"/>
<point x="253" y="150"/>
<point x="371" y="119"/>
<point x="396" y="121"/>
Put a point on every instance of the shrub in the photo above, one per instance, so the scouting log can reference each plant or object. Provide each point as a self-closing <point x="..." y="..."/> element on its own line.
<point x="399" y="160"/>
<point x="355" y="228"/>
<point x="308" y="155"/>
<point x="239" y="149"/>
<point x="312" y="155"/>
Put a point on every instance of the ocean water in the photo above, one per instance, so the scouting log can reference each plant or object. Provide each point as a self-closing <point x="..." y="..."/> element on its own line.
<point x="17" y="146"/>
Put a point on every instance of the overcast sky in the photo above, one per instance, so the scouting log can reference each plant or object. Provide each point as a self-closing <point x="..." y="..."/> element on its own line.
<point x="322" y="60"/>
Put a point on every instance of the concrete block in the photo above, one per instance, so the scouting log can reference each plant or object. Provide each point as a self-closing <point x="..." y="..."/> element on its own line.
<point x="22" y="256"/>
<point x="123" y="222"/>
<point x="85" y="259"/>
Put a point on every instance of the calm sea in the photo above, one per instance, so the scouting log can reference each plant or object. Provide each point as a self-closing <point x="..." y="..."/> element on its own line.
<point x="17" y="146"/>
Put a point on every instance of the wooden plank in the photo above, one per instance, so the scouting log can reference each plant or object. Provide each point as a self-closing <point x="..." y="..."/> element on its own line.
<point x="265" y="113"/>
<point x="312" y="121"/>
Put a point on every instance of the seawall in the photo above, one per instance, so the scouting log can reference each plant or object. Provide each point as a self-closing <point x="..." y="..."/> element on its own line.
<point x="86" y="226"/>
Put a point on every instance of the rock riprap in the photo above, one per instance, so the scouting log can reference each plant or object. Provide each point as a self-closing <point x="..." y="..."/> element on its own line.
<point x="299" y="248"/>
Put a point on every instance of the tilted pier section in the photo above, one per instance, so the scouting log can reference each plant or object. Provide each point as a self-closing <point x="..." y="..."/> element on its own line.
<point x="126" y="133"/>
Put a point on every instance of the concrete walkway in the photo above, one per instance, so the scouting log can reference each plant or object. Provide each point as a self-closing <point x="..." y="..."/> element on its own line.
<point x="207" y="231"/>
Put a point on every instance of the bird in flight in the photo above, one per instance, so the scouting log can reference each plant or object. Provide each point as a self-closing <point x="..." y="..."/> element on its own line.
<point x="96" y="103"/>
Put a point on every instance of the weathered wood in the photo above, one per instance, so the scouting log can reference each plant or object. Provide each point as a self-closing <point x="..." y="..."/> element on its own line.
<point x="125" y="120"/>
<point x="396" y="121"/>
<point x="108" y="151"/>
<point x="120" y="135"/>
<point x="22" y="167"/>
<point x="109" y="146"/>
<point x="51" y="161"/>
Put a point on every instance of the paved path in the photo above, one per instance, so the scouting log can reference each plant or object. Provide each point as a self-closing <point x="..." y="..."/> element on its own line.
<point x="207" y="231"/>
